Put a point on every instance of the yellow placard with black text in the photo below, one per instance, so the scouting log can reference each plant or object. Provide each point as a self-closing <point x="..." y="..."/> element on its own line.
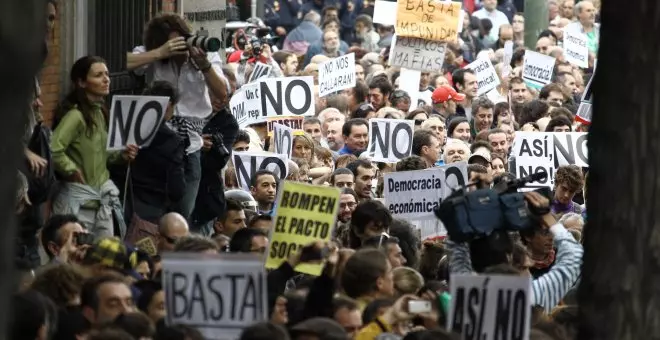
<point x="428" y="19"/>
<point x="304" y="213"/>
<point x="296" y="123"/>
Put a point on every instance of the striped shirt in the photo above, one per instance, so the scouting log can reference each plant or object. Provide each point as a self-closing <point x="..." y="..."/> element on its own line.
<point x="549" y="288"/>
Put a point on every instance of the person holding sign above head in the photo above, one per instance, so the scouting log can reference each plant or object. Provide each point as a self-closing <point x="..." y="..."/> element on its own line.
<point x="356" y="136"/>
<point x="194" y="72"/>
<point x="264" y="190"/>
<point x="80" y="133"/>
<point x="157" y="175"/>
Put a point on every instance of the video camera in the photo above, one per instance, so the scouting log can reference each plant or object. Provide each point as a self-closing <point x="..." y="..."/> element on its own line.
<point x="476" y="214"/>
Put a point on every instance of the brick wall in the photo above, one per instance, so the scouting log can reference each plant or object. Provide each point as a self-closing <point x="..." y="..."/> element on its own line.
<point x="51" y="73"/>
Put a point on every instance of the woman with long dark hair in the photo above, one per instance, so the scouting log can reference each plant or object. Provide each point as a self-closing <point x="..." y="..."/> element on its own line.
<point x="80" y="133"/>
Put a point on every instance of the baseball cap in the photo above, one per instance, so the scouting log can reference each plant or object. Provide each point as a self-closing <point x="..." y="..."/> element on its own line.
<point x="445" y="93"/>
<point x="323" y="328"/>
<point x="479" y="153"/>
<point x="109" y="252"/>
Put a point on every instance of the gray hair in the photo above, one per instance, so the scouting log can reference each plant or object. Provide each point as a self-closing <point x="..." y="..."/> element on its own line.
<point x="571" y="216"/>
<point x="577" y="9"/>
<point x="195" y="244"/>
<point x="366" y="20"/>
<point x="480" y="102"/>
<point x="313" y="17"/>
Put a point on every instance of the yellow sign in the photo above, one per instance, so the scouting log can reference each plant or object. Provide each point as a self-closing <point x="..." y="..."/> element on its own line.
<point x="294" y="122"/>
<point x="305" y="213"/>
<point x="428" y="19"/>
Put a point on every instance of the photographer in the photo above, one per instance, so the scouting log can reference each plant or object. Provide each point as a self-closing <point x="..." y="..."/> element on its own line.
<point x="548" y="288"/>
<point x="256" y="50"/>
<point x="166" y="56"/>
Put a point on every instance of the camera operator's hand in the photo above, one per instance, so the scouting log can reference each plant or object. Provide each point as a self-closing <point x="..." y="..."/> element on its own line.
<point x="541" y="204"/>
<point x="208" y="143"/>
<point x="481" y="181"/>
<point x="280" y="30"/>
<point x="265" y="52"/>
<point x="199" y="59"/>
<point x="173" y="47"/>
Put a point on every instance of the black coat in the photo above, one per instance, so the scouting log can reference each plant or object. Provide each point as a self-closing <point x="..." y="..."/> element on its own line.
<point x="210" y="202"/>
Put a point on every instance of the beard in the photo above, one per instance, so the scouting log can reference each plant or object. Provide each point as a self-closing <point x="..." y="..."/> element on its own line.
<point x="332" y="49"/>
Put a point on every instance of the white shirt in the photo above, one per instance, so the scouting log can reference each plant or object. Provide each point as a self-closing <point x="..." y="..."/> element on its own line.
<point x="194" y="100"/>
<point x="496" y="17"/>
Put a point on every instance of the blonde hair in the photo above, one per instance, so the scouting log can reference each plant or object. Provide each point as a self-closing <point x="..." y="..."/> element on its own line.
<point x="407" y="280"/>
<point x="307" y="139"/>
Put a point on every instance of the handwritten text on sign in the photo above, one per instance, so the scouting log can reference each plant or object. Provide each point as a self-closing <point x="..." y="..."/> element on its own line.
<point x="337" y="74"/>
<point x="245" y="105"/>
<point x="390" y="140"/>
<point x="135" y="120"/>
<point x="283" y="138"/>
<point x="417" y="54"/>
<point x="428" y="19"/>
<point x="305" y="213"/>
<point x="217" y="294"/>
<point x="537" y="69"/>
<point x="487" y="78"/>
<point x="575" y="48"/>
<point x="490" y="307"/>
<point x="248" y="163"/>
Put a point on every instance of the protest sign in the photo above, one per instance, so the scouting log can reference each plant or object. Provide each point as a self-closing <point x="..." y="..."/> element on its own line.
<point x="294" y="122"/>
<point x="337" y="74"/>
<point x="135" y="120"/>
<point x="219" y="294"/>
<point x="385" y="12"/>
<point x="537" y="69"/>
<point x="304" y="214"/>
<point x="585" y="109"/>
<point x="248" y="163"/>
<point x="259" y="71"/>
<point x="487" y="78"/>
<point x="490" y="307"/>
<point x="288" y="96"/>
<point x="508" y="55"/>
<point x="208" y="17"/>
<point x="245" y="105"/>
<point x="409" y="82"/>
<point x="576" y="51"/>
<point x="417" y="54"/>
<point x="283" y="139"/>
<point x="547" y="151"/>
<point x="430" y="20"/>
<point x="412" y="195"/>
<point x="390" y="139"/>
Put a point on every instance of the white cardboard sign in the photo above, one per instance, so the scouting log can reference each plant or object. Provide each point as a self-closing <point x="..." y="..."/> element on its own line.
<point x="134" y="120"/>
<point x="248" y="163"/>
<point x="219" y="295"/>
<point x="417" y="54"/>
<point x="537" y="69"/>
<point x="283" y="139"/>
<point x="576" y="51"/>
<point x="245" y="105"/>
<point x="259" y="71"/>
<point x="487" y="78"/>
<point x="390" y="140"/>
<point x="337" y="74"/>
<point x="490" y="307"/>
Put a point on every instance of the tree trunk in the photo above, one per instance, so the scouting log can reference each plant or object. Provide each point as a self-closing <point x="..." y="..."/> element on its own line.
<point x="22" y="33"/>
<point x="619" y="294"/>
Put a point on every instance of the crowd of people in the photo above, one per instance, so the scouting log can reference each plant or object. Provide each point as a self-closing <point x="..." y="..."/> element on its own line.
<point x="93" y="223"/>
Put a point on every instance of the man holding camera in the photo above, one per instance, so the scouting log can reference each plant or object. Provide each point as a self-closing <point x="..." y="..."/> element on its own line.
<point x="169" y="54"/>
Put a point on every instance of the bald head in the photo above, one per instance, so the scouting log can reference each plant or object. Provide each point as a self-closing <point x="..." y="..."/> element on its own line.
<point x="171" y="227"/>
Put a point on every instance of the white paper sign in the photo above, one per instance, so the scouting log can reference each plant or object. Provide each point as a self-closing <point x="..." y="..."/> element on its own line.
<point x="490" y="307"/>
<point x="547" y="151"/>
<point x="273" y="97"/>
<point x="248" y="163"/>
<point x="245" y="105"/>
<point x="585" y="110"/>
<point x="218" y="294"/>
<point x="385" y="12"/>
<point x="506" y="61"/>
<point x="390" y="140"/>
<point x="409" y="82"/>
<point x="487" y="78"/>
<point x="283" y="139"/>
<point x="413" y="195"/>
<point x="134" y="120"/>
<point x="576" y="51"/>
<point x="537" y="69"/>
<point x="417" y="54"/>
<point x="259" y="71"/>
<point x="337" y="74"/>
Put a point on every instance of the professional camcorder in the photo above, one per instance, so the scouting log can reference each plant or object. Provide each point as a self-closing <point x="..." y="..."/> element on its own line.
<point x="476" y="214"/>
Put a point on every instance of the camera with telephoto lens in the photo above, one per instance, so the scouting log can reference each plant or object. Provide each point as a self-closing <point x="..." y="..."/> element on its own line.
<point x="476" y="214"/>
<point x="203" y="42"/>
<point x="257" y="46"/>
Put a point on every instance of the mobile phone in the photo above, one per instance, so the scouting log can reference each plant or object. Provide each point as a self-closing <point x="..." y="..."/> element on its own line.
<point x="419" y="306"/>
<point x="83" y="239"/>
